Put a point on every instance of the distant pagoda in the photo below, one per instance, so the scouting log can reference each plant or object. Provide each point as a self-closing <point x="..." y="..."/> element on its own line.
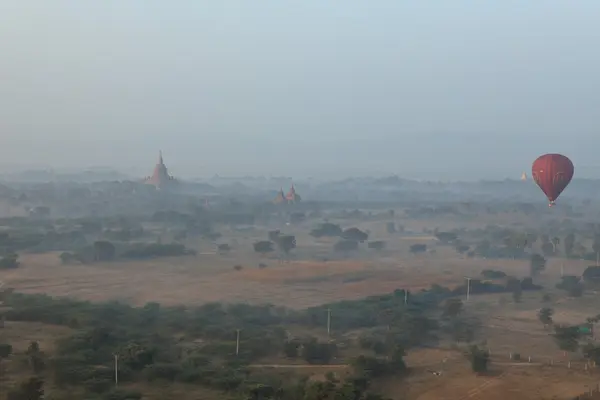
<point x="160" y="179"/>
<point x="280" y="198"/>
<point x="290" y="198"/>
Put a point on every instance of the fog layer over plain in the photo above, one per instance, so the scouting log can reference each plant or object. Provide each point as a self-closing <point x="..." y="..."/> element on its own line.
<point x="447" y="91"/>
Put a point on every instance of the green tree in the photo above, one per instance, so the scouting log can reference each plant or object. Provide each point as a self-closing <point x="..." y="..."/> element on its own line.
<point x="479" y="359"/>
<point x="355" y="234"/>
<point x="462" y="329"/>
<point x="122" y="394"/>
<point x="569" y="244"/>
<point x="537" y="263"/>
<point x="517" y="294"/>
<point x="137" y="356"/>
<point x="572" y="285"/>
<point x="390" y="227"/>
<point x="531" y="239"/>
<point x="376" y="245"/>
<point x="462" y="248"/>
<point x="315" y="352"/>
<point x="9" y="261"/>
<point x="592" y="352"/>
<point x="326" y="230"/>
<point x="548" y="249"/>
<point x="35" y="358"/>
<point x="516" y="244"/>
<point x="418" y="248"/>
<point x="592" y="274"/>
<point x="555" y="242"/>
<point x="261" y="392"/>
<point x="493" y="274"/>
<point x="446" y="237"/>
<point x="545" y="316"/>
<point x="5" y="350"/>
<point x="371" y="367"/>
<point x="596" y="244"/>
<point x="104" y="251"/>
<point x="397" y="362"/>
<point x="224" y="248"/>
<point x="290" y="349"/>
<point x="546" y="298"/>
<point x="452" y="307"/>
<point x="263" y="247"/>
<point x="345" y="246"/>
<point x="31" y="389"/>
<point x="286" y="243"/>
<point x="67" y="257"/>
<point x="274" y="235"/>
<point x="566" y="337"/>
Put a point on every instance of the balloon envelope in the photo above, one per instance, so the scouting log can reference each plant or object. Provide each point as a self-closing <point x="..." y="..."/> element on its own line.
<point x="552" y="173"/>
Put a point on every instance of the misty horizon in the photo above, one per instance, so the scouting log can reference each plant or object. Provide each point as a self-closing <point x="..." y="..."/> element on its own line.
<point x="461" y="92"/>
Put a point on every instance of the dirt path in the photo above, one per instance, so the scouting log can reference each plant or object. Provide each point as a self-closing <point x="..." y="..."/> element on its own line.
<point x="485" y="385"/>
<point x="289" y="366"/>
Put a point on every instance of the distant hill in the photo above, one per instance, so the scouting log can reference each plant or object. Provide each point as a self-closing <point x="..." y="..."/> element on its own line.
<point x="86" y="176"/>
<point x="398" y="189"/>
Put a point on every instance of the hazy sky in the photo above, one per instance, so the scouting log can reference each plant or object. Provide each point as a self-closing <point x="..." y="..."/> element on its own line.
<point x="424" y="89"/>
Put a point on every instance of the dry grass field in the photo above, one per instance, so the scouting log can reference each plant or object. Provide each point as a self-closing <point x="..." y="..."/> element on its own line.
<point x="209" y="278"/>
<point x="298" y="284"/>
<point x="205" y="278"/>
<point x="308" y="280"/>
<point x="508" y="328"/>
<point x="21" y="334"/>
<point x="506" y="380"/>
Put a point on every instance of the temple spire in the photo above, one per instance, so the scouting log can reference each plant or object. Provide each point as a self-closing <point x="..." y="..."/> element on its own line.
<point x="290" y="197"/>
<point x="161" y="176"/>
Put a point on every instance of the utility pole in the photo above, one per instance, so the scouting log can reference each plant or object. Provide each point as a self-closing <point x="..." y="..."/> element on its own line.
<point x="405" y="296"/>
<point x="116" y="369"/>
<point x="329" y="322"/>
<point x="562" y="270"/>
<point x="237" y="342"/>
<point x="468" y="287"/>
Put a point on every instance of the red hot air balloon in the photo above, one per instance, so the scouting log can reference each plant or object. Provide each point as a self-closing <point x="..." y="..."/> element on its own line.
<point x="552" y="173"/>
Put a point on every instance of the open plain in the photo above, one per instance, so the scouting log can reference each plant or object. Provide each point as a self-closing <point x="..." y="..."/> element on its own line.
<point x="313" y="276"/>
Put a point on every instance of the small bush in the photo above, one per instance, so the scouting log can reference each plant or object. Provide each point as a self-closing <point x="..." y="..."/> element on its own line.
<point x="9" y="261"/>
<point x="120" y="394"/>
<point x="493" y="274"/>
